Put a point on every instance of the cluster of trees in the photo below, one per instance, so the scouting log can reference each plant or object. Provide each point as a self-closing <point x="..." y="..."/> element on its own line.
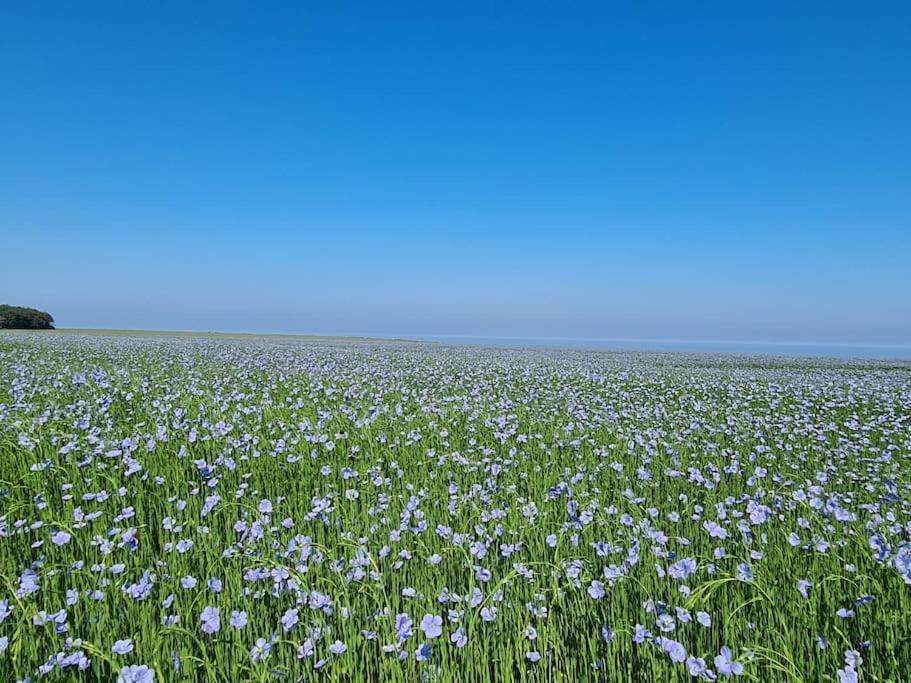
<point x="21" y="318"/>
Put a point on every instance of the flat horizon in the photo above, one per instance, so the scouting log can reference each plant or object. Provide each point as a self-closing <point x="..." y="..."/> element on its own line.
<point x="420" y="336"/>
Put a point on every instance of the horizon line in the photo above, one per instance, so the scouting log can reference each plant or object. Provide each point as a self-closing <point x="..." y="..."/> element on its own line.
<point x="423" y="336"/>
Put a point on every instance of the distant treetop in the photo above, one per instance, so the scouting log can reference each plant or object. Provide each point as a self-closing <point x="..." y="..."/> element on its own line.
<point x="21" y="318"/>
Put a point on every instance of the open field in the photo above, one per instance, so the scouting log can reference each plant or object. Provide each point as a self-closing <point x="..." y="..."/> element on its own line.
<point x="224" y="508"/>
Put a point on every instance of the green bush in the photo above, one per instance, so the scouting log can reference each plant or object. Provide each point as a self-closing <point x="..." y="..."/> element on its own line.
<point x="21" y="318"/>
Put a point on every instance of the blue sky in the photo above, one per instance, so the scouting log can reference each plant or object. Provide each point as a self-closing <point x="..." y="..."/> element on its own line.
<point x="651" y="170"/>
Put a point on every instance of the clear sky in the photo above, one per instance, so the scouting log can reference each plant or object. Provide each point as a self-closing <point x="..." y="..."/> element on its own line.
<point x="723" y="170"/>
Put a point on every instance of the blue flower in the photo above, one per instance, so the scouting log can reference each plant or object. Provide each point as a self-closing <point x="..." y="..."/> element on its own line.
<point x="853" y="659"/>
<point x="641" y="634"/>
<point x="458" y="637"/>
<point x="902" y="562"/>
<point x="744" y="572"/>
<point x="261" y="650"/>
<point x="136" y="673"/>
<point x="290" y="619"/>
<point x="424" y="652"/>
<point x="715" y="530"/>
<point x="726" y="665"/>
<point x="666" y="623"/>
<point x="29" y="582"/>
<point x="306" y="650"/>
<point x="674" y="650"/>
<point x="697" y="667"/>
<point x="61" y="538"/>
<point x="432" y="625"/>
<point x="682" y="569"/>
<point x="122" y="647"/>
<point x="211" y="502"/>
<point x="403" y="626"/>
<point x="847" y="675"/>
<point x="211" y="620"/>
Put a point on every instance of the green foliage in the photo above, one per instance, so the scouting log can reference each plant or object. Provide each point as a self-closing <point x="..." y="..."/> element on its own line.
<point x="22" y="318"/>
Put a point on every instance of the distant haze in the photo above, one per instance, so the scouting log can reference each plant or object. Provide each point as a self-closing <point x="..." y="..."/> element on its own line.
<point x="725" y="172"/>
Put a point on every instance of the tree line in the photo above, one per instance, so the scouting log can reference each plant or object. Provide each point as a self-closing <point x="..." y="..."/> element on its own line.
<point x="21" y="318"/>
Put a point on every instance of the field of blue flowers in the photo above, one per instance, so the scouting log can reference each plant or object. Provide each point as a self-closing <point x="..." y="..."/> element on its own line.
<point x="201" y="509"/>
